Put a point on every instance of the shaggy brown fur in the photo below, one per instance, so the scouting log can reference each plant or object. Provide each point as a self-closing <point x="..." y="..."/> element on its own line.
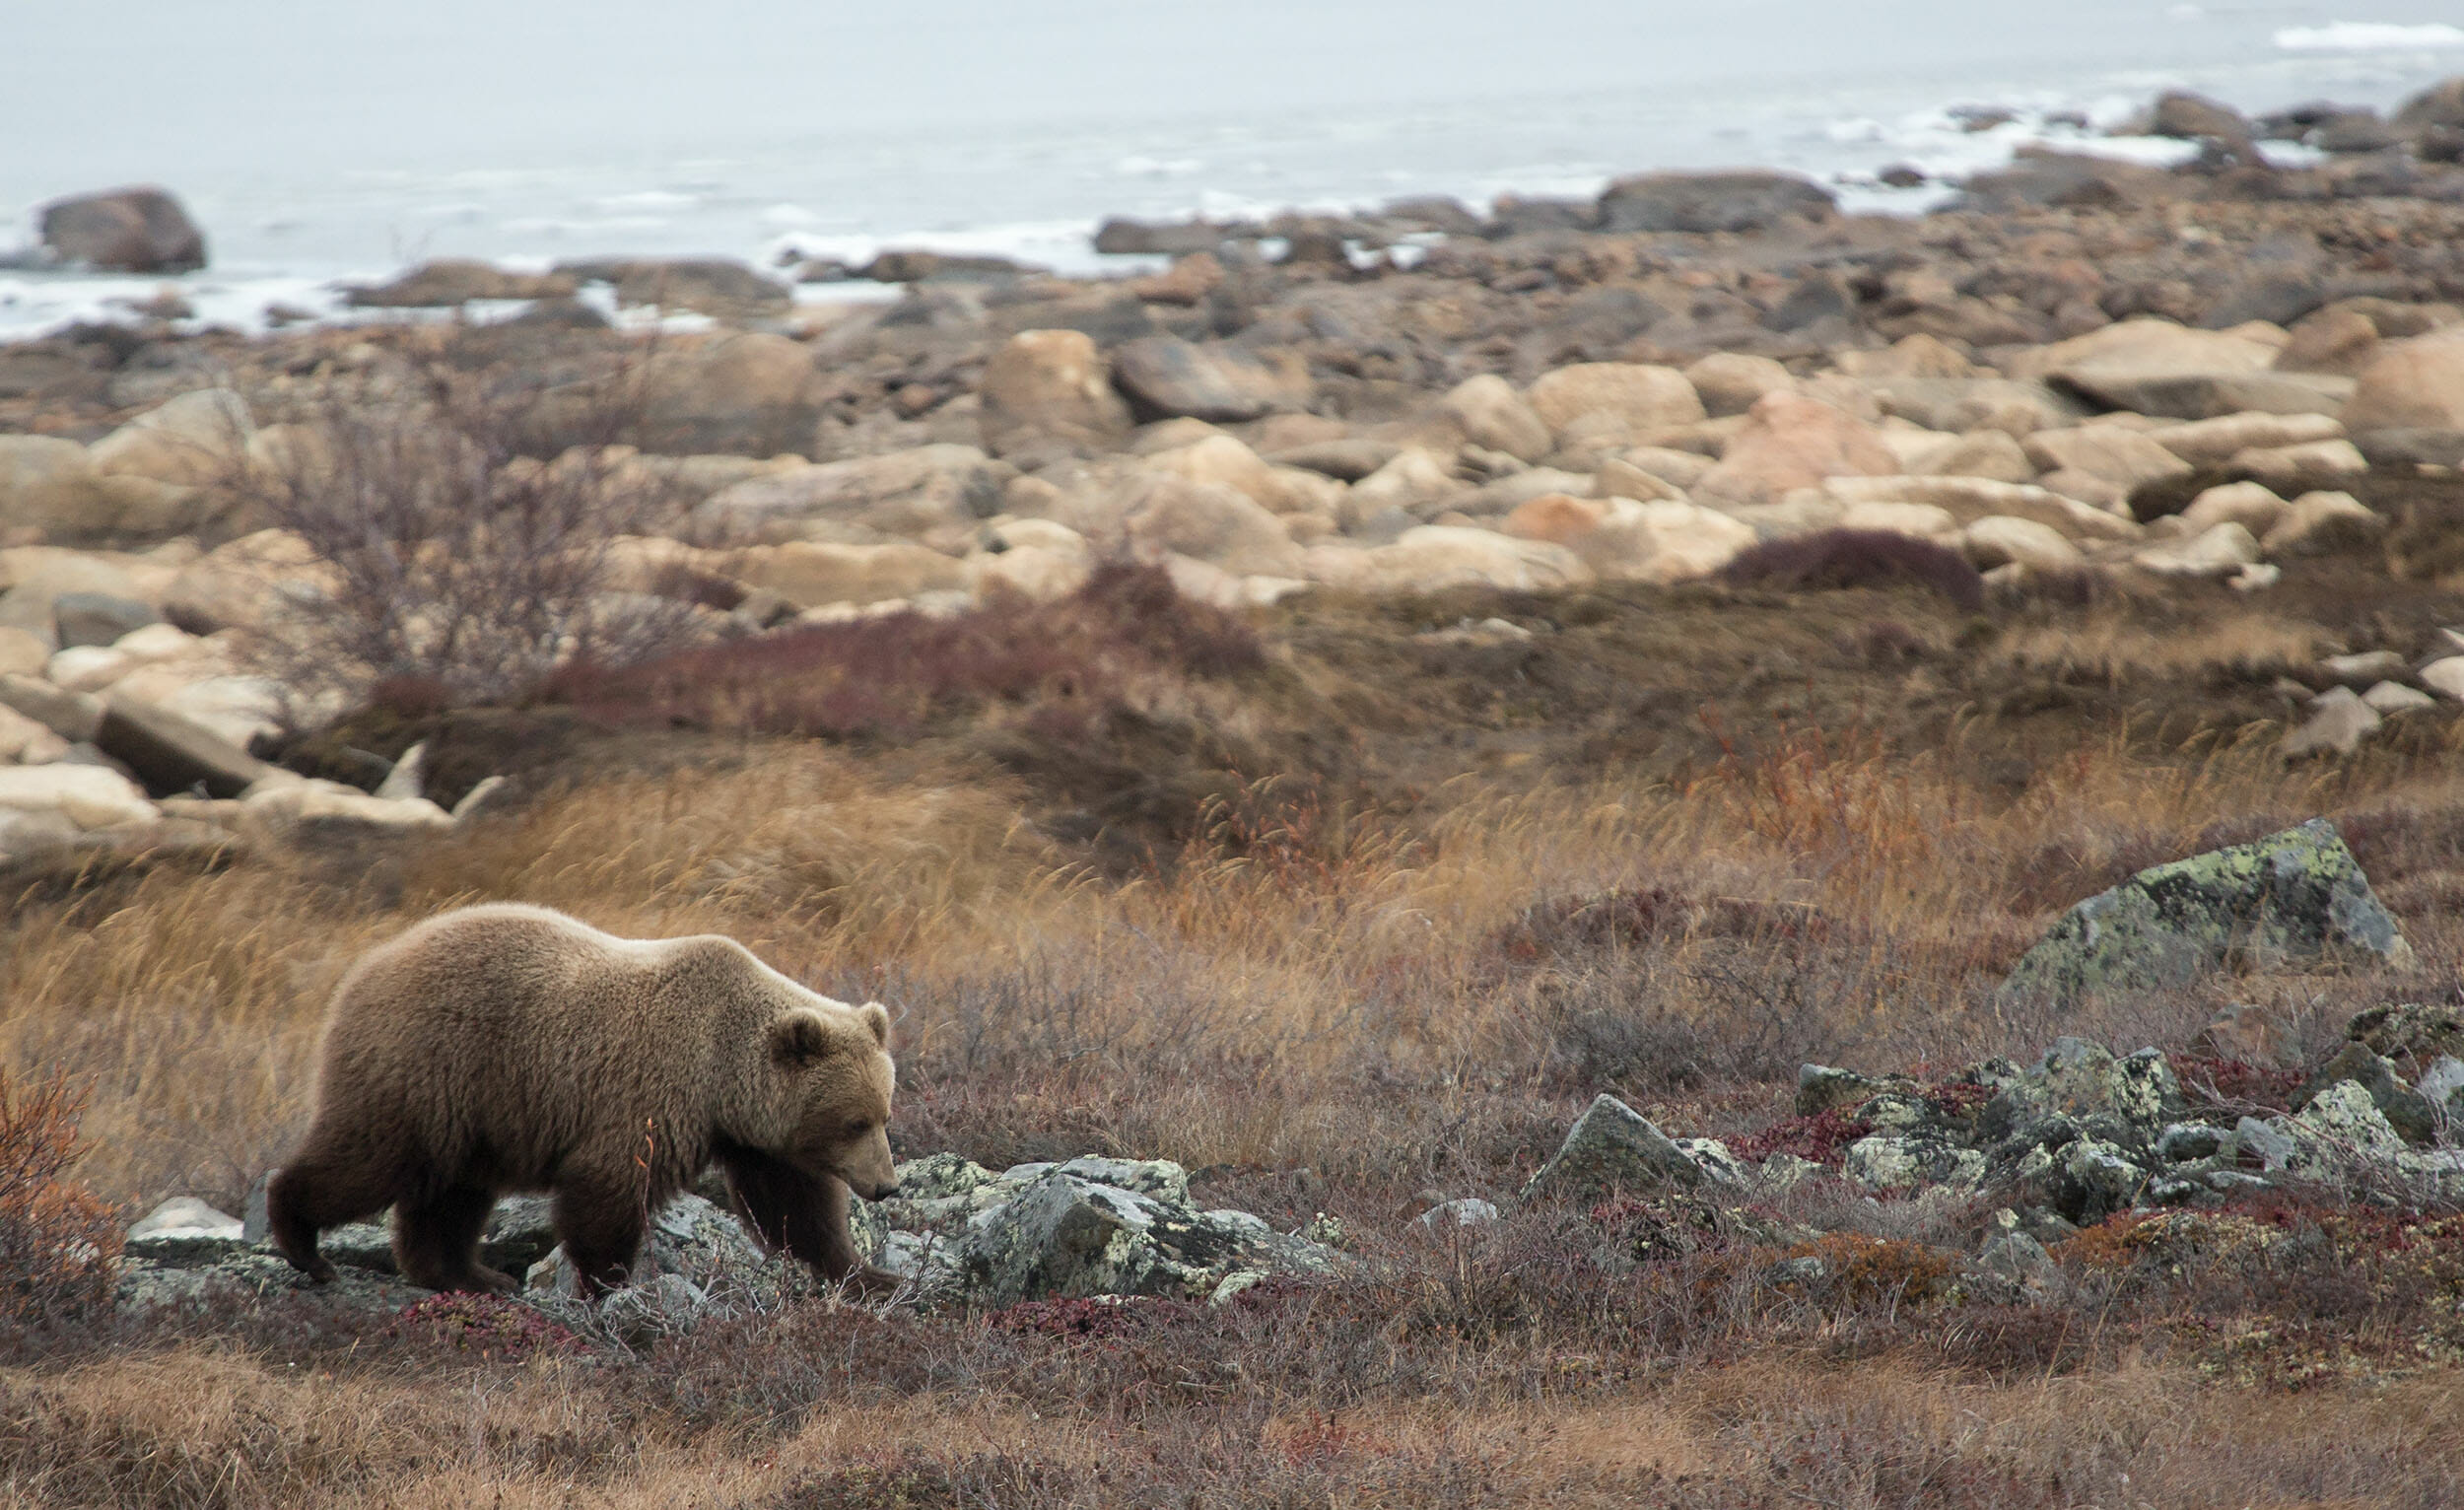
<point x="512" y="1048"/>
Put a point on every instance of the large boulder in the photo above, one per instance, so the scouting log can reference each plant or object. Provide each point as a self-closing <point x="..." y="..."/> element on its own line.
<point x="1611" y="1149"/>
<point x="1745" y="200"/>
<point x="88" y="798"/>
<point x="2441" y="105"/>
<point x="2109" y="453"/>
<point x="2298" y="895"/>
<point x="2412" y="384"/>
<point x="2148" y="363"/>
<point x="1164" y="378"/>
<point x="1491" y="414"/>
<point x="713" y="286"/>
<point x="1433" y="558"/>
<point x="1045" y="387"/>
<point x="198" y="439"/>
<point x="51" y="485"/>
<point x="1791" y="442"/>
<point x="1637" y="397"/>
<point x="811" y="574"/>
<point x="123" y="231"/>
<point x="1210" y="522"/>
<point x="172" y="753"/>
<point x="458" y="280"/>
<point x="1730" y="382"/>
<point x="748" y="395"/>
<point x="901" y="493"/>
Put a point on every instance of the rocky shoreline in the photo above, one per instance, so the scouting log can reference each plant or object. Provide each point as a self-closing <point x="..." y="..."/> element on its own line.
<point x="2085" y="370"/>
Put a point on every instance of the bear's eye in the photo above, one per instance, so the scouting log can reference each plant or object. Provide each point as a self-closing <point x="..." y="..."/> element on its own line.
<point x="858" y="1128"/>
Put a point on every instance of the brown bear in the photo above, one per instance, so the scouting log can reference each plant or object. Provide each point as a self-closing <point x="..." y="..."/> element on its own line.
<point x="509" y="1047"/>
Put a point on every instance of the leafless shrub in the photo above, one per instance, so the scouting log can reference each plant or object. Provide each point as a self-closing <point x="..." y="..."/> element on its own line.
<point x="448" y="554"/>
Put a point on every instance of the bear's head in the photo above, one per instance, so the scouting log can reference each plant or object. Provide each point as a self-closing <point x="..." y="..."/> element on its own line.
<point x="839" y="1079"/>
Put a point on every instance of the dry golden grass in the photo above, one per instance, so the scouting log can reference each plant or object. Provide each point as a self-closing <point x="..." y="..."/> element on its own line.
<point x="189" y="1002"/>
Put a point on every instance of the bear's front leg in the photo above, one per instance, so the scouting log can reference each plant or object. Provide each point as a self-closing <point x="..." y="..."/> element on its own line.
<point x="601" y="1225"/>
<point x="804" y="1215"/>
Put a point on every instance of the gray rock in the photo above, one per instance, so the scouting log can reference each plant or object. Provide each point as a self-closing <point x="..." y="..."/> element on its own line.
<point x="1164" y="376"/>
<point x="2442" y="1086"/>
<point x="713" y="286"/>
<point x="1063" y="1236"/>
<point x="123" y="231"/>
<point x="2417" y="1031"/>
<point x="2184" y="1143"/>
<point x="184" y="1230"/>
<point x="2299" y="894"/>
<point x="1785" y="1171"/>
<point x="2209" y="395"/>
<point x="2016" y="1255"/>
<point x="2099" y="1178"/>
<point x="2339" y="721"/>
<point x="661" y="1306"/>
<point x="2265" y="1141"/>
<point x="1889" y="1161"/>
<point x="2080" y="1084"/>
<point x="490" y="794"/>
<point x="98" y="618"/>
<point x="1611" y="1148"/>
<point x="2407" y="1110"/>
<point x="1470" y="1211"/>
<point x="172" y="753"/>
<point x="403" y="781"/>
<point x="1711" y="201"/>
<point x="73" y="716"/>
<point x="250" y="1275"/>
<point x="1713" y="1158"/>
<point x="1819" y="1087"/>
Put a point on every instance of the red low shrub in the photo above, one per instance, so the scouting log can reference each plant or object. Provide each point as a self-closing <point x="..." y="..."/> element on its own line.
<point x="59" y="1246"/>
<point x="1858" y="558"/>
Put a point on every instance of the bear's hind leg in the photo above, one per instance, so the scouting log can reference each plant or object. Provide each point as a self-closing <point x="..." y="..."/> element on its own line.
<point x="435" y="1241"/>
<point x="803" y="1215"/>
<point x="315" y="1191"/>
<point x="601" y="1226"/>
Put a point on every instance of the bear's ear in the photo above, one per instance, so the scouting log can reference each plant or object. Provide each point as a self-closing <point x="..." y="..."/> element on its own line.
<point x="800" y="1037"/>
<point x="873" y="1015"/>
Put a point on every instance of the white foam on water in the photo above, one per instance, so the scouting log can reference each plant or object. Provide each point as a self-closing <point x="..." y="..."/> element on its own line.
<point x="2368" y="37"/>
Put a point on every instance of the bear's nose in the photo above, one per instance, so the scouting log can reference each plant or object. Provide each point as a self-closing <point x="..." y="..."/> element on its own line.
<point x="887" y="1190"/>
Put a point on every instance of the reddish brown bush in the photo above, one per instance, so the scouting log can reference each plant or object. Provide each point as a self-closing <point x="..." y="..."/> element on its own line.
<point x="2237" y="1082"/>
<point x="1822" y="1138"/>
<point x="490" y="1325"/>
<point x="59" y="1246"/>
<point x="898" y="673"/>
<point x="1858" y="558"/>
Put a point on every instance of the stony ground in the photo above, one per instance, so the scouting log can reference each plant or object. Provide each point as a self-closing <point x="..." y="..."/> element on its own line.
<point x="1516" y="849"/>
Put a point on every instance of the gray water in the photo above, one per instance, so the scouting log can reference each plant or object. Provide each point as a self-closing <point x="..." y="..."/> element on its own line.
<point x="314" y="140"/>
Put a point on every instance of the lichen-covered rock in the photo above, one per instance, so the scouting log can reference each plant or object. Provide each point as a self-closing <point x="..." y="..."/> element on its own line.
<point x="2083" y="1086"/>
<point x="2299" y="894"/>
<point x="1611" y="1148"/>
<point x="691" y="1239"/>
<point x="151" y="1287"/>
<point x="1890" y="1161"/>
<point x="2097" y="1178"/>
<point x="2415" y="1030"/>
<point x="2406" y="1109"/>
<point x="1820" y="1087"/>
<point x="1713" y="1158"/>
<point x="1063" y="1234"/>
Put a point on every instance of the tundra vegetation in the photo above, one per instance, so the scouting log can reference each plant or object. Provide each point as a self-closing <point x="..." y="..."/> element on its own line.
<point x="1328" y="727"/>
